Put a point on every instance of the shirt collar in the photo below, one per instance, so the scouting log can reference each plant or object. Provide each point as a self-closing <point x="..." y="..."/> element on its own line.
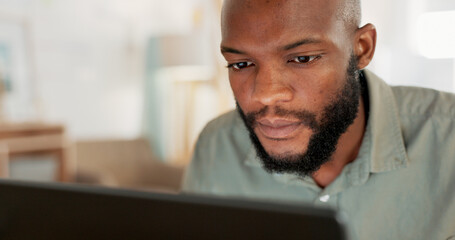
<point x="387" y="149"/>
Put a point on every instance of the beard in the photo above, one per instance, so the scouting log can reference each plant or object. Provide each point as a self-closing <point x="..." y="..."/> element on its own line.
<point x="337" y="116"/>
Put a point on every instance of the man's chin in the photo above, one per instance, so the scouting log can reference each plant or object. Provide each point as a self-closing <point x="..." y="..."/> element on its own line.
<point x="283" y="148"/>
<point x="283" y="154"/>
<point x="286" y="157"/>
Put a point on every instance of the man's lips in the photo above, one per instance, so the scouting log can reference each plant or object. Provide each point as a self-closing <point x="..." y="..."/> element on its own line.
<point x="278" y="128"/>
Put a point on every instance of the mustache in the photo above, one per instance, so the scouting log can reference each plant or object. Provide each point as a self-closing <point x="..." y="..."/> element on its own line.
<point x="305" y="117"/>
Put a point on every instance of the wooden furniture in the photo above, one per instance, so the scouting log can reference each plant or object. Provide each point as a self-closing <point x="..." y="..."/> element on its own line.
<point x="4" y="169"/>
<point x="126" y="164"/>
<point x="32" y="139"/>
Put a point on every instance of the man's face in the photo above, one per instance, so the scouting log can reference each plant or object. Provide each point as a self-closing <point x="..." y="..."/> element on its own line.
<point x="288" y="64"/>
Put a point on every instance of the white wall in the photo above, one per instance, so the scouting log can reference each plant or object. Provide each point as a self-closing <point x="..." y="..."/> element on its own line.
<point x="88" y="70"/>
<point x="89" y="59"/>
<point x="397" y="59"/>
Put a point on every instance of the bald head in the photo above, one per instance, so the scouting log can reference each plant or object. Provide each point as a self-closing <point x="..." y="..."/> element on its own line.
<point x="347" y="11"/>
<point x="254" y="27"/>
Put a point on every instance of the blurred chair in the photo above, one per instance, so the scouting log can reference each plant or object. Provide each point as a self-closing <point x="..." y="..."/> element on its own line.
<point x="126" y="164"/>
<point x="34" y="139"/>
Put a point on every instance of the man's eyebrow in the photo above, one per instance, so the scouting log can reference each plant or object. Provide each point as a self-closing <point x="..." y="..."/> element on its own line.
<point x="301" y="42"/>
<point x="230" y="50"/>
<point x="225" y="49"/>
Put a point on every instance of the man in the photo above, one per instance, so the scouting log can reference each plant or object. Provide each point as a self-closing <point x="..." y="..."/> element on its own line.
<point x="312" y="127"/>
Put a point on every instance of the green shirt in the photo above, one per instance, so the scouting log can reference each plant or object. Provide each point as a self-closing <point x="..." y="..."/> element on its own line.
<point x="400" y="186"/>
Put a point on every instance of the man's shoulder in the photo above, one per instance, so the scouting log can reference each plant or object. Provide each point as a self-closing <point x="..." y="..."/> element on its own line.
<point x="227" y="128"/>
<point x="225" y="122"/>
<point x="424" y="102"/>
<point x="221" y="146"/>
<point x="427" y="118"/>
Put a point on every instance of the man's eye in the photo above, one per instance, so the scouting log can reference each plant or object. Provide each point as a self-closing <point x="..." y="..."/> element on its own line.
<point x="304" y="59"/>
<point x="240" y="65"/>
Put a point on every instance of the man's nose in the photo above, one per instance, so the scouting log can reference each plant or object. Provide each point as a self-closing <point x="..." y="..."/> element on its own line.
<point x="271" y="87"/>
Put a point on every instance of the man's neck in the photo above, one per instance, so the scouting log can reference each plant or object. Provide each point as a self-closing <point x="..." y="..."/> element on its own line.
<point x="347" y="150"/>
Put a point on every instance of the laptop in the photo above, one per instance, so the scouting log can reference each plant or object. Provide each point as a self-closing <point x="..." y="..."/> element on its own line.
<point x="31" y="210"/>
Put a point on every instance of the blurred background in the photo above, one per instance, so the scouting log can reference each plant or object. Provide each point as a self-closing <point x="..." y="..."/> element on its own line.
<point x="115" y="92"/>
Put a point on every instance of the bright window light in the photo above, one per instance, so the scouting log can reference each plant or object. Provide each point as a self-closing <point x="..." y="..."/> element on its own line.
<point x="436" y="34"/>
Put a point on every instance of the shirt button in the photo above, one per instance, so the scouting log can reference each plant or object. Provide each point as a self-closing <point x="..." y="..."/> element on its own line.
<point x="324" y="198"/>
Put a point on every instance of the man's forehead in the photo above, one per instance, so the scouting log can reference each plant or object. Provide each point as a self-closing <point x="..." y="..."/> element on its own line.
<point x="277" y="13"/>
<point x="298" y="7"/>
<point x="260" y="19"/>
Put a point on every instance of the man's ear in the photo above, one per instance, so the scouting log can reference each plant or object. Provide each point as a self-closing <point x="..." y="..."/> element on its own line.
<point x="365" y="44"/>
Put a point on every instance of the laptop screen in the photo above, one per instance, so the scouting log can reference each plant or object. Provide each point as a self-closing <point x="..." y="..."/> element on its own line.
<point x="64" y="211"/>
